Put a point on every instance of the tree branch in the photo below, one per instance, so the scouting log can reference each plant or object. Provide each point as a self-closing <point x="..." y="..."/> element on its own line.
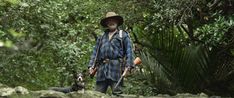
<point x="191" y="36"/>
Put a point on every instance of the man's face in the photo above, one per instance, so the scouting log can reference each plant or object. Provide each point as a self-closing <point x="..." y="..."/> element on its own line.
<point x="112" y="24"/>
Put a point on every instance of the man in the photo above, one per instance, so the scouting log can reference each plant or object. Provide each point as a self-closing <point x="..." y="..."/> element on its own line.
<point x="113" y="47"/>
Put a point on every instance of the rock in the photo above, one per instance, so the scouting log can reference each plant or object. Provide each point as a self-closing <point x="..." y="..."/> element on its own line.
<point x="6" y="91"/>
<point x="87" y="94"/>
<point x="21" y="90"/>
<point x="203" y="95"/>
<point x="188" y="95"/>
<point x="128" y="96"/>
<point x="49" y="94"/>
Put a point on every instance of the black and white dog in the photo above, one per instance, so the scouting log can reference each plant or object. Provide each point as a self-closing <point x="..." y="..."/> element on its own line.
<point x="78" y="84"/>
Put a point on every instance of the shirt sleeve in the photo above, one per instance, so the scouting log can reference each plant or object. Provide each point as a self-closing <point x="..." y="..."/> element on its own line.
<point x="128" y="51"/>
<point x="91" y="62"/>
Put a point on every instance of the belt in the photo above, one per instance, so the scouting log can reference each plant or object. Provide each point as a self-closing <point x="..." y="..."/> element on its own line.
<point x="108" y="60"/>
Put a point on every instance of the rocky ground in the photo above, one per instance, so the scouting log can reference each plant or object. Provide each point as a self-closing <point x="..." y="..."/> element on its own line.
<point x="21" y="92"/>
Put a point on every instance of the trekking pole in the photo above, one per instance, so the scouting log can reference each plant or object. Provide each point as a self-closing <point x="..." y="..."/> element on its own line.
<point x="136" y="62"/>
<point x="94" y="66"/>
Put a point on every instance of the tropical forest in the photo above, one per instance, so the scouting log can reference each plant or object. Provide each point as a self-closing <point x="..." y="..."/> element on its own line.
<point x="185" y="47"/>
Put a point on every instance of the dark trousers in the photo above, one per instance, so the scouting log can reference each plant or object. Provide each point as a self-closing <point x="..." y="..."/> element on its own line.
<point x="102" y="86"/>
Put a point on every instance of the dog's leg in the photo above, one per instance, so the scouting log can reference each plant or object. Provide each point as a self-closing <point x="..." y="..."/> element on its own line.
<point x="62" y="89"/>
<point x="82" y="91"/>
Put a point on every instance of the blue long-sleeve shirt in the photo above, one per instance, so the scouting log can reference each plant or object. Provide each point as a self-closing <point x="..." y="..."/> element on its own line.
<point x="112" y="49"/>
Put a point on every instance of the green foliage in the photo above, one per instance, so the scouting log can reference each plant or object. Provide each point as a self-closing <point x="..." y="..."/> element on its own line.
<point x="187" y="45"/>
<point x="49" y="39"/>
<point x="149" y="78"/>
<point x="192" y="45"/>
<point x="213" y="34"/>
<point x="54" y="41"/>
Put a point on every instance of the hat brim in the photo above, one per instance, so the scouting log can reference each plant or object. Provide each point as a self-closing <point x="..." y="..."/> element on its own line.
<point x="118" y="18"/>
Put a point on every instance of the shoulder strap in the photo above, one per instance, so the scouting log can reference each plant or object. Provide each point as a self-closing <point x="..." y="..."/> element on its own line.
<point x="121" y="33"/>
<point x="121" y="36"/>
<point x="122" y="46"/>
<point x="98" y="48"/>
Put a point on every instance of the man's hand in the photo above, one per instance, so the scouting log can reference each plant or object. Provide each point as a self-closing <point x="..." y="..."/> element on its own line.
<point x="91" y="70"/>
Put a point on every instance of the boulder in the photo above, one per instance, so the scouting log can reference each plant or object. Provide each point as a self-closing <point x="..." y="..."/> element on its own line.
<point x="185" y="95"/>
<point x="49" y="94"/>
<point x="6" y="91"/>
<point x="21" y="90"/>
<point x="87" y="94"/>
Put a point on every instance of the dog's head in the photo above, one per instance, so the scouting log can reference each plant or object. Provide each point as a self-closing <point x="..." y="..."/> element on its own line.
<point x="79" y="76"/>
<point x="79" y="79"/>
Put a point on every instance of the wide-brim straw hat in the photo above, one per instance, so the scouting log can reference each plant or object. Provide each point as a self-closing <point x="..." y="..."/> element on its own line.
<point x="112" y="15"/>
